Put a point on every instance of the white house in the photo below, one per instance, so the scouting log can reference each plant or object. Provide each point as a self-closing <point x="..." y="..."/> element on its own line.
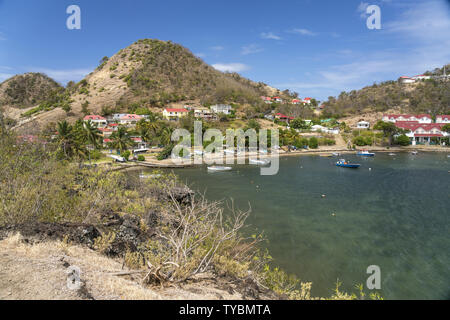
<point x="174" y="114"/>
<point x="99" y="121"/>
<point x="323" y="129"/>
<point x="406" y="80"/>
<point x="420" y="118"/>
<point x="421" y="77"/>
<point x="363" y="125"/>
<point x="307" y="101"/>
<point x="277" y="99"/>
<point x="222" y="108"/>
<point x="130" y="119"/>
<point x="443" y="119"/>
<point x="203" y="113"/>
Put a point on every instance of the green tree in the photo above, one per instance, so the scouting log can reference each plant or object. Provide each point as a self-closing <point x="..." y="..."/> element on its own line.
<point x="121" y="140"/>
<point x="389" y="129"/>
<point x="446" y="128"/>
<point x="403" y="140"/>
<point x="313" y="143"/>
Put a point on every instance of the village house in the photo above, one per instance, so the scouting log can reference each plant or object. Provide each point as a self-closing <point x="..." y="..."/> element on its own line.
<point x="421" y="77"/>
<point x="277" y="99"/>
<point x="363" y="125"/>
<point x="204" y="113"/>
<point x="267" y="100"/>
<point x="98" y="121"/>
<point x="106" y="132"/>
<point x="405" y="80"/>
<point x="296" y="101"/>
<point x="140" y="144"/>
<point x="421" y="118"/>
<point x="130" y="119"/>
<point x="284" y="118"/>
<point x="443" y="119"/>
<point x="307" y="101"/>
<point x="173" y="114"/>
<point x="221" y="108"/>
<point x="422" y="133"/>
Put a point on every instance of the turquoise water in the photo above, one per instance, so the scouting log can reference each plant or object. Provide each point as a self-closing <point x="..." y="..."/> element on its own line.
<point x="395" y="216"/>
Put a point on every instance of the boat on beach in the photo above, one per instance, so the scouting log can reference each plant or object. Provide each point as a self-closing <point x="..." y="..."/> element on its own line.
<point x="366" y="153"/>
<point x="219" y="168"/>
<point x="345" y="164"/>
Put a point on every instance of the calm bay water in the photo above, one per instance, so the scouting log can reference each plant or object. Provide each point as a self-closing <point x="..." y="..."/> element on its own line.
<point x="395" y="216"/>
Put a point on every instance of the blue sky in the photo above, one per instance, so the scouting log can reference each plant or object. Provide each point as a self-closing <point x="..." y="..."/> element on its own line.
<point x="317" y="48"/>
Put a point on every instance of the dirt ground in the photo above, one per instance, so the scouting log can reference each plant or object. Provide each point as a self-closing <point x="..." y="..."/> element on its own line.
<point x="39" y="271"/>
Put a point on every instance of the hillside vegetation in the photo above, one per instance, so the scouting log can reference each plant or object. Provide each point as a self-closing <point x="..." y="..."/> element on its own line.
<point x="429" y="96"/>
<point x="26" y="90"/>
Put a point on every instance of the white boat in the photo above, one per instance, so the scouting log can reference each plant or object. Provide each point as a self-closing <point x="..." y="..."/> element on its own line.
<point x="392" y="154"/>
<point x="336" y="154"/>
<point x="117" y="158"/>
<point x="259" y="162"/>
<point x="366" y="153"/>
<point x="414" y="152"/>
<point x="219" y="168"/>
<point x="141" y="150"/>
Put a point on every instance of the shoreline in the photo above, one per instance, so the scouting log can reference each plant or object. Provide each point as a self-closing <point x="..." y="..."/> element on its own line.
<point x="170" y="164"/>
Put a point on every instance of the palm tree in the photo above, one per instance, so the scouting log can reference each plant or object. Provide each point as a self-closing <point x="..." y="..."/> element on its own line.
<point x="91" y="134"/>
<point x="66" y="138"/>
<point x="165" y="135"/>
<point x="121" y="140"/>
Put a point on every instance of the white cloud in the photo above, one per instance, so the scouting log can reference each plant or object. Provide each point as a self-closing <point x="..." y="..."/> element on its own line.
<point x="230" y="67"/>
<point x="64" y="75"/>
<point x="217" y="48"/>
<point x="303" y="32"/>
<point x="250" y="49"/>
<point x="421" y="33"/>
<point x="270" y="35"/>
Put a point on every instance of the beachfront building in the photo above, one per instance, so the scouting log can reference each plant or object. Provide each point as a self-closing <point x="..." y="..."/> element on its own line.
<point x="421" y="118"/>
<point x="98" y="121"/>
<point x="422" y="133"/>
<point x="221" y="108"/>
<point x="445" y="119"/>
<point x="173" y="114"/>
<point x="363" y="125"/>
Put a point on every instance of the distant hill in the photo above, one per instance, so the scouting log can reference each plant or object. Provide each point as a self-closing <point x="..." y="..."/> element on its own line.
<point x="26" y="90"/>
<point x="151" y="74"/>
<point x="429" y="96"/>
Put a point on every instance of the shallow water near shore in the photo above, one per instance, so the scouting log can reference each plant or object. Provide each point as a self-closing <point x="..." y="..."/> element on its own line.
<point x="395" y="215"/>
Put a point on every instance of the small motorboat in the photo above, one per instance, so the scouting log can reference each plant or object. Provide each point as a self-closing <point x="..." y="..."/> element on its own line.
<point x="366" y="153"/>
<point x="345" y="164"/>
<point x="336" y="154"/>
<point x="392" y="154"/>
<point x="259" y="162"/>
<point x="219" y="168"/>
<point x="414" y="153"/>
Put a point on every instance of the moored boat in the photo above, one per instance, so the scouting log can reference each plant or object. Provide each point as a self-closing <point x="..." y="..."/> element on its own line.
<point x="366" y="153"/>
<point x="259" y="162"/>
<point x="219" y="168"/>
<point x="345" y="164"/>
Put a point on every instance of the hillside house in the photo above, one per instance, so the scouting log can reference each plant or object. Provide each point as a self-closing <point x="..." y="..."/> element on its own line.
<point x="130" y="120"/>
<point x="363" y="125"/>
<point x="267" y="100"/>
<point x="277" y="99"/>
<point x="105" y="132"/>
<point x="421" y="77"/>
<point x="284" y="118"/>
<point x="172" y="114"/>
<point x="221" y="108"/>
<point x="296" y="101"/>
<point x="204" y="113"/>
<point x="98" y="121"/>
<point x="422" y="133"/>
<point x="307" y="101"/>
<point x="405" y="80"/>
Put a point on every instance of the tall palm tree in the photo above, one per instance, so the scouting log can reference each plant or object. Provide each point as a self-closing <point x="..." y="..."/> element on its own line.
<point x="66" y="138"/>
<point x="165" y="135"/>
<point x="91" y="135"/>
<point x="121" y="139"/>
